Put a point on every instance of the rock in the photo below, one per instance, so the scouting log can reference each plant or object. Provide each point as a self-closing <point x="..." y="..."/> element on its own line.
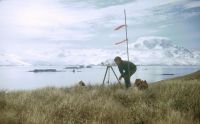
<point x="81" y="83"/>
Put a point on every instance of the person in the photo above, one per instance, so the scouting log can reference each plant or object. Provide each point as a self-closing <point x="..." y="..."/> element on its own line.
<point x="126" y="69"/>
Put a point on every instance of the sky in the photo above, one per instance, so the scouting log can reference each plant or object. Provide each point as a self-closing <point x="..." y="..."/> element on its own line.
<point x="47" y="24"/>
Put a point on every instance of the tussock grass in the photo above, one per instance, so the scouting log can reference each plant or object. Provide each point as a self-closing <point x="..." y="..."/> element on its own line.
<point x="175" y="101"/>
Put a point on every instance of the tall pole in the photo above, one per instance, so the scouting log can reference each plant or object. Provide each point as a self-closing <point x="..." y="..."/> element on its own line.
<point x="127" y="43"/>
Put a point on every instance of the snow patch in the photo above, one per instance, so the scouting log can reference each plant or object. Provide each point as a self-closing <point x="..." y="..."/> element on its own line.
<point x="145" y="51"/>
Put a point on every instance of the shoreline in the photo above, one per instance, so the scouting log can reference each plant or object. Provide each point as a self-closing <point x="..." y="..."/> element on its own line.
<point x="175" y="100"/>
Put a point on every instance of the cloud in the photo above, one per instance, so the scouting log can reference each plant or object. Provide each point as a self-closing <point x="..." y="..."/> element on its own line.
<point x="25" y="20"/>
<point x="192" y="4"/>
<point x="84" y="23"/>
<point x="157" y="50"/>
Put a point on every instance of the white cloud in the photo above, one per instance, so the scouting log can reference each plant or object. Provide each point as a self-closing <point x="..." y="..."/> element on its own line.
<point x="192" y="4"/>
<point x="21" y="20"/>
<point x="25" y="22"/>
<point x="191" y="14"/>
<point x="157" y="50"/>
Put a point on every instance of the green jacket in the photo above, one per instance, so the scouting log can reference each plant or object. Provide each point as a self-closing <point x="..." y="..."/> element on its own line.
<point x="123" y="68"/>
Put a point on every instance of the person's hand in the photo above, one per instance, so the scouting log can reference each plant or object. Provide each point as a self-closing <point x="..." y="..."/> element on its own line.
<point x="120" y="77"/>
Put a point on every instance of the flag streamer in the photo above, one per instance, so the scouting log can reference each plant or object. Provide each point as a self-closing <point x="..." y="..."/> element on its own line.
<point x="119" y="27"/>
<point x="120" y="42"/>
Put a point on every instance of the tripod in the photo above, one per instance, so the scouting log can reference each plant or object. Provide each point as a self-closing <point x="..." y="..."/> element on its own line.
<point x="109" y="67"/>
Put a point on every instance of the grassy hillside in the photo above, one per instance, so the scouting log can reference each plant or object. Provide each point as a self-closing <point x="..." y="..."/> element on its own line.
<point x="174" y="101"/>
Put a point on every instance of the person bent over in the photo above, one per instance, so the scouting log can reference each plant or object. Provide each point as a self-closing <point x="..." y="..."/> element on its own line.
<point x="126" y="69"/>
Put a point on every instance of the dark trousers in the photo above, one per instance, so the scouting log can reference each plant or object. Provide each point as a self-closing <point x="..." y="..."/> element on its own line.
<point x="127" y="79"/>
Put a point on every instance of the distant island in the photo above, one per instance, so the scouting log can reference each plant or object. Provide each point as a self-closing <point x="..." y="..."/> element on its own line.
<point x="44" y="70"/>
<point x="78" y="67"/>
<point x="55" y="70"/>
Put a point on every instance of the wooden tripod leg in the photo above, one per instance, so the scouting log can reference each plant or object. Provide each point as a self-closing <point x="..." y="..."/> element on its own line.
<point x="105" y="75"/>
<point x="115" y="75"/>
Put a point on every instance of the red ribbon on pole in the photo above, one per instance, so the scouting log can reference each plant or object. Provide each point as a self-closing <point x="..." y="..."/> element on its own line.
<point x="120" y="42"/>
<point x="119" y="27"/>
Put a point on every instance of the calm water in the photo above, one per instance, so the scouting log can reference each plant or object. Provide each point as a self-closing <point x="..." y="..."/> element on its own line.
<point x="18" y="77"/>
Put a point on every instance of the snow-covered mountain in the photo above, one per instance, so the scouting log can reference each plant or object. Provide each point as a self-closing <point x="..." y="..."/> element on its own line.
<point x="160" y="50"/>
<point x="145" y="51"/>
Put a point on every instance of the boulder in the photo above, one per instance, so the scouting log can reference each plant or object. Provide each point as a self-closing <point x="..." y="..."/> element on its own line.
<point x="81" y="83"/>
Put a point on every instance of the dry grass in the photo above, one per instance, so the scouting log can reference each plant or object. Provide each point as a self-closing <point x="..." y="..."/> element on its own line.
<point x="174" y="101"/>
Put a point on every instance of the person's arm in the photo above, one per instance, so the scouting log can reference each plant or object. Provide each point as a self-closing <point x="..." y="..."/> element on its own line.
<point x="121" y="71"/>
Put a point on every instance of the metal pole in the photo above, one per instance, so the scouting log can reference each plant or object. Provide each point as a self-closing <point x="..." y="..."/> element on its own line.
<point x="127" y="43"/>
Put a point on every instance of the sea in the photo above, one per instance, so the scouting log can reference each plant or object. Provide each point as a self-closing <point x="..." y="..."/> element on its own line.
<point x="21" y="77"/>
